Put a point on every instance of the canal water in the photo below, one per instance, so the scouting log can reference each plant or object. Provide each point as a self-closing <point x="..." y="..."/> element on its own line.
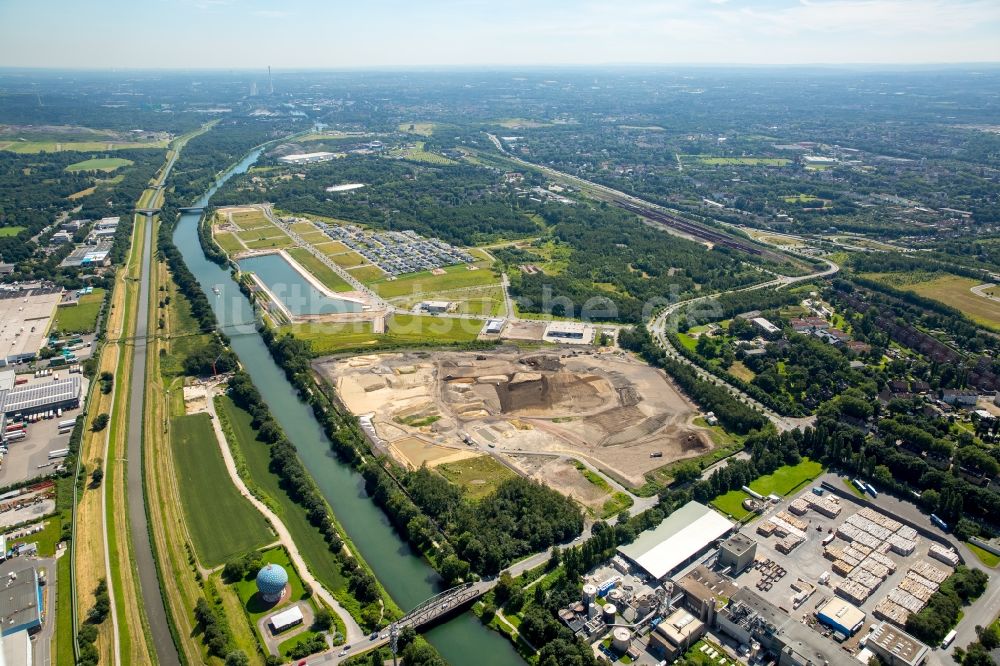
<point x="294" y="291"/>
<point x="405" y="575"/>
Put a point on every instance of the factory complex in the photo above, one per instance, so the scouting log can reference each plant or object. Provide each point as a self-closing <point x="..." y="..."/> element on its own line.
<point x="818" y="581"/>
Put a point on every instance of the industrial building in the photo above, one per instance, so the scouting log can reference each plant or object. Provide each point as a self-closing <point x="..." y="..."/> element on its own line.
<point x="738" y="553"/>
<point x="704" y="592"/>
<point x="895" y="647"/>
<point x="841" y="616"/>
<point x="494" y="326"/>
<point x="681" y="538"/>
<point x="21" y="602"/>
<point x="765" y="325"/>
<point x="749" y="618"/>
<point x="569" y="332"/>
<point x="42" y="397"/>
<point x="675" y="635"/>
<point x="307" y="158"/>
<point x="25" y="316"/>
<point x="434" y="307"/>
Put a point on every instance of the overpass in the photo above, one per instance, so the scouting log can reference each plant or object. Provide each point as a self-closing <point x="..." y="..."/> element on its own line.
<point x="147" y="211"/>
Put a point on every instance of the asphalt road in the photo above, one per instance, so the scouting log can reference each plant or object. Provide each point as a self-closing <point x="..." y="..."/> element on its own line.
<point x="142" y="548"/>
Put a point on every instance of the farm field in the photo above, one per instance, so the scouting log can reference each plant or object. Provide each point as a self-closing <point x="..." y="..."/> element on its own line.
<point x="259" y="477"/>
<point x="34" y="147"/>
<point x="454" y="277"/>
<point x="6" y="232"/>
<point x="477" y="477"/>
<point x="951" y="290"/>
<point x="80" y="318"/>
<point x="709" y="160"/>
<point x="100" y="164"/>
<point x="323" y="273"/>
<point x="221" y="522"/>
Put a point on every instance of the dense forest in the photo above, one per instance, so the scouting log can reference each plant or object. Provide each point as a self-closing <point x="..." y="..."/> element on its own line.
<point x="620" y="269"/>
<point x="461" y="203"/>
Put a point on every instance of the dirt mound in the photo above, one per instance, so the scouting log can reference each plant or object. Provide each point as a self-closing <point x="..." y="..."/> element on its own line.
<point x="543" y="362"/>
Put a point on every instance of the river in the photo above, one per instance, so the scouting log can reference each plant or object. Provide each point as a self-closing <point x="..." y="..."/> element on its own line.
<point x="408" y="579"/>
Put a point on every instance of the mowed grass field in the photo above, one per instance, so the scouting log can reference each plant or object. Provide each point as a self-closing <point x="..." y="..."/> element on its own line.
<point x="221" y="522"/>
<point x="82" y="317"/>
<point x="323" y="273"/>
<point x="477" y="477"/>
<point x="6" y="232"/>
<point x="228" y="242"/>
<point x="454" y="277"/>
<point x="402" y="330"/>
<point x="731" y="504"/>
<point x="100" y="164"/>
<point x="257" y="458"/>
<point x="786" y="480"/>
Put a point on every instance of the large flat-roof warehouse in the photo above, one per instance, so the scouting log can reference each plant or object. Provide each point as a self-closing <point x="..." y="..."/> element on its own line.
<point x="34" y="398"/>
<point x="678" y="540"/>
<point x="25" y="315"/>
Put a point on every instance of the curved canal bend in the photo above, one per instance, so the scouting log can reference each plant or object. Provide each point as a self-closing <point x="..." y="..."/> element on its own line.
<point x="405" y="575"/>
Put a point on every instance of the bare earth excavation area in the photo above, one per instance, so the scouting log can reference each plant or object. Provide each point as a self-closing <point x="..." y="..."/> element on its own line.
<point x="610" y="410"/>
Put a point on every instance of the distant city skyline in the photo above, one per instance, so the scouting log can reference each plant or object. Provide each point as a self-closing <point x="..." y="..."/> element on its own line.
<point x="313" y="34"/>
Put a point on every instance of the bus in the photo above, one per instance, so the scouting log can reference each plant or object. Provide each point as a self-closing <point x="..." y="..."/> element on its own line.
<point x="948" y="639"/>
<point x="940" y="523"/>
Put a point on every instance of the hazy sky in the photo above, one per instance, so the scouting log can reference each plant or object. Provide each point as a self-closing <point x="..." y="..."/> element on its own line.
<point x="328" y="34"/>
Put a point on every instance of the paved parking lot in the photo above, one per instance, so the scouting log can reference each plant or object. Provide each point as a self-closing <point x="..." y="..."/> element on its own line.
<point x="29" y="457"/>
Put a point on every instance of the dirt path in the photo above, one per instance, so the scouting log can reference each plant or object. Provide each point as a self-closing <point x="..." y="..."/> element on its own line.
<point x="353" y="631"/>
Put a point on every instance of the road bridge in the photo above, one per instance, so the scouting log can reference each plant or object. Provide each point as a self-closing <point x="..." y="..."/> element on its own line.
<point x="431" y="611"/>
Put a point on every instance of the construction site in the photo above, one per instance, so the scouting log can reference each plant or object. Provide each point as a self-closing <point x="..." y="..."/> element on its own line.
<point x="602" y="408"/>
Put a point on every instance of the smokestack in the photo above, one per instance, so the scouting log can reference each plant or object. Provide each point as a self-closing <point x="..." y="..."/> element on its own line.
<point x="270" y="84"/>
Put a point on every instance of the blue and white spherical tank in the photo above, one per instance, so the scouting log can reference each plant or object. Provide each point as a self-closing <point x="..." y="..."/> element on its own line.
<point x="271" y="582"/>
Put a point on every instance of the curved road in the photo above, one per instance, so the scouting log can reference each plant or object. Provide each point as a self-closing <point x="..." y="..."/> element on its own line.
<point x="353" y="629"/>
<point x="657" y="328"/>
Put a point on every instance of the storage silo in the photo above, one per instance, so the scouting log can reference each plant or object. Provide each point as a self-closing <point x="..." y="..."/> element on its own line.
<point x="610" y="612"/>
<point x="591" y="611"/>
<point x="617" y="597"/>
<point x="589" y="593"/>
<point x="621" y="639"/>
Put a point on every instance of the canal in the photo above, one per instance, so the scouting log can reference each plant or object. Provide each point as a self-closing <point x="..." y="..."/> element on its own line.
<point x="405" y="575"/>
